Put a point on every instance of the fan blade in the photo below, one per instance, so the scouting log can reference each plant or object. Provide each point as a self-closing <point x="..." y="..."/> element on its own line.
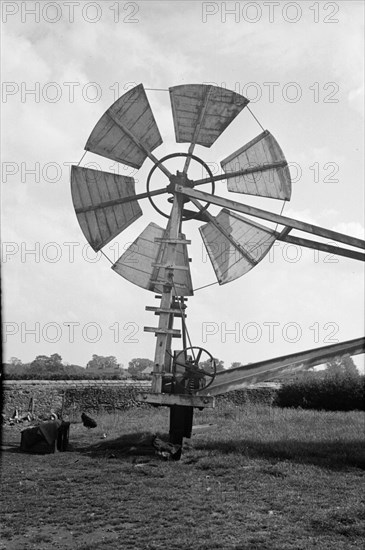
<point x="137" y="264"/>
<point x="272" y="180"/>
<point x="127" y="132"/>
<point x="90" y="190"/>
<point x="202" y="112"/>
<point x="235" y="244"/>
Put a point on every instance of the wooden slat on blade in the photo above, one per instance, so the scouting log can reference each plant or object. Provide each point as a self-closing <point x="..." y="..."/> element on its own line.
<point x="137" y="263"/>
<point x="132" y="111"/>
<point x="91" y="188"/>
<point x="188" y="100"/>
<point x="228" y="263"/>
<point x="262" y="151"/>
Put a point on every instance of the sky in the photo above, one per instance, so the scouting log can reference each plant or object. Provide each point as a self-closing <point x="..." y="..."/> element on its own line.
<point x="65" y="63"/>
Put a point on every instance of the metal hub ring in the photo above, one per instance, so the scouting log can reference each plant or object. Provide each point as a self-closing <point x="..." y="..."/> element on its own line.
<point x="173" y="155"/>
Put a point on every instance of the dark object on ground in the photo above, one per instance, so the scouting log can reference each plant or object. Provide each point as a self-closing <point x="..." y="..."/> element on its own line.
<point x="87" y="421"/>
<point x="167" y="451"/>
<point x="42" y="439"/>
<point x="63" y="436"/>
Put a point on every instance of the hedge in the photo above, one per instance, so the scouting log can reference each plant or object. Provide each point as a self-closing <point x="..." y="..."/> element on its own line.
<point x="339" y="392"/>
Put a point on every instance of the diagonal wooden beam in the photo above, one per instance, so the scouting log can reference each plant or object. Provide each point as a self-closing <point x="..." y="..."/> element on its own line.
<point x="270" y="216"/>
<point x="240" y="377"/>
<point x="323" y="247"/>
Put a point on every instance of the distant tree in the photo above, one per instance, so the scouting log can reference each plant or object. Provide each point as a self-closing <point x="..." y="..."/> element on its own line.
<point x="99" y="362"/>
<point x="44" y="366"/>
<point x="137" y="365"/>
<point x="342" y="366"/>
<point x="235" y="364"/>
<point x="15" y="362"/>
<point x="55" y="360"/>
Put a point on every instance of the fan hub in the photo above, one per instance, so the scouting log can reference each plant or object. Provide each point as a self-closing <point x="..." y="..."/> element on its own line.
<point x="180" y="179"/>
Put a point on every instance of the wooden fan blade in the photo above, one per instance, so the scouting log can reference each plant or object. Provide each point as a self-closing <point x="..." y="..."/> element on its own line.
<point x="273" y="177"/>
<point x="143" y="262"/>
<point x="202" y="112"/>
<point x="235" y="244"/>
<point x="127" y="132"/>
<point x="96" y="196"/>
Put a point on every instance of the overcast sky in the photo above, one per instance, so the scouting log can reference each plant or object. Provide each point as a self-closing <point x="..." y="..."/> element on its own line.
<point x="300" y="64"/>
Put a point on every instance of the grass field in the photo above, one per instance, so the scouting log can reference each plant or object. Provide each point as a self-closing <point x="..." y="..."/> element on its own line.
<point x="254" y="477"/>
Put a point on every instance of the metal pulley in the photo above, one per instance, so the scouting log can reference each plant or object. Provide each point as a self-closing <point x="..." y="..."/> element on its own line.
<point x="194" y="369"/>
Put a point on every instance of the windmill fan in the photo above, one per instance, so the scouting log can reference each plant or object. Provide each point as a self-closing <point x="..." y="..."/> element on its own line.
<point x="106" y="204"/>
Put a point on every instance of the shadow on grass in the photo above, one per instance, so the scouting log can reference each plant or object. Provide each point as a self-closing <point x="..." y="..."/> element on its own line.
<point x="334" y="455"/>
<point x="134" y="444"/>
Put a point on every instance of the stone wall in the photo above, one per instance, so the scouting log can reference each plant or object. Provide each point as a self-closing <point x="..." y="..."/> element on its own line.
<point x="70" y="397"/>
<point x="65" y="397"/>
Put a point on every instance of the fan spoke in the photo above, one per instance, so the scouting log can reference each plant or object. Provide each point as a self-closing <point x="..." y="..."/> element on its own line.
<point x="272" y="181"/>
<point x="98" y="199"/>
<point x="203" y="108"/>
<point x="122" y="200"/>
<point x="243" y="172"/>
<point x="127" y="132"/>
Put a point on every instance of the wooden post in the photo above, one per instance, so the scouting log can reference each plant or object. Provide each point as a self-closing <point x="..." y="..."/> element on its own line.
<point x="163" y="343"/>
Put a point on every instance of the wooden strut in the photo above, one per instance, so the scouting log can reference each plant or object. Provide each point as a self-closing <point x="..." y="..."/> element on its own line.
<point x="269" y="369"/>
<point x="284" y="220"/>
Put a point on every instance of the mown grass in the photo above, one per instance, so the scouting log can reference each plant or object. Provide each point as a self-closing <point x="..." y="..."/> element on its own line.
<point x="256" y="477"/>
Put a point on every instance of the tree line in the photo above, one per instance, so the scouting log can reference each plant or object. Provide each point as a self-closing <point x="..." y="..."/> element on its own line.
<point x="52" y="367"/>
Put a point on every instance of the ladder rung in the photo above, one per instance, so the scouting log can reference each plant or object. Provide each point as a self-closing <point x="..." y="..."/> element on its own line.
<point x="171" y="241"/>
<point x="166" y="266"/>
<point x="164" y="283"/>
<point x="174" y="332"/>
<point x="158" y="310"/>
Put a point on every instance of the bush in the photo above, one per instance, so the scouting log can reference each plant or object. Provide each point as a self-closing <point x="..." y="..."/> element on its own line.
<point x="331" y="392"/>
